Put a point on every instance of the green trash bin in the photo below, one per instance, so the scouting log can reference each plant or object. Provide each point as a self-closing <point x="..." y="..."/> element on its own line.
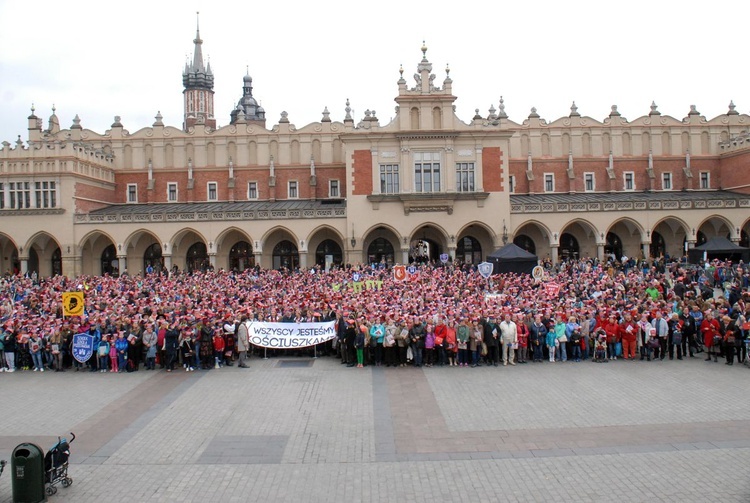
<point x="27" y="472"/>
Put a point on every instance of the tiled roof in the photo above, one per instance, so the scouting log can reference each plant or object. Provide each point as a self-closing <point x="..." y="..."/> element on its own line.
<point x="122" y="209"/>
<point x="600" y="197"/>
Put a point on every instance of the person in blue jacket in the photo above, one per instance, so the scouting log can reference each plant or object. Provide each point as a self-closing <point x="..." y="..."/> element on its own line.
<point x="121" y="346"/>
<point x="97" y="335"/>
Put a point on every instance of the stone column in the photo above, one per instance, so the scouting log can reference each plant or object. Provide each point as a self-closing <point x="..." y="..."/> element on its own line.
<point x="24" y="265"/>
<point x="452" y="252"/>
<point x="600" y="252"/>
<point x="72" y="265"/>
<point x="405" y="256"/>
<point x="303" y="260"/>
<point x="257" y="255"/>
<point x="646" y="250"/>
<point x="212" y="259"/>
<point x="122" y="263"/>
<point x="554" y="249"/>
<point x="167" y="262"/>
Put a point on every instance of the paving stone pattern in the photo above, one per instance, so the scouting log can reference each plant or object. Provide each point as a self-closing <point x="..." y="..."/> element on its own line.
<point x="622" y="431"/>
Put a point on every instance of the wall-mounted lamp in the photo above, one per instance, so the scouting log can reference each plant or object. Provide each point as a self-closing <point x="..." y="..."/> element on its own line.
<point x="505" y="233"/>
<point x="210" y="245"/>
<point x="68" y="249"/>
<point x="693" y="231"/>
<point x="453" y="238"/>
<point x="301" y="243"/>
<point x="555" y="235"/>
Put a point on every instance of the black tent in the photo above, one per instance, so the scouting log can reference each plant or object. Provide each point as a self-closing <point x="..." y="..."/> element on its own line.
<point x="512" y="258"/>
<point x="720" y="248"/>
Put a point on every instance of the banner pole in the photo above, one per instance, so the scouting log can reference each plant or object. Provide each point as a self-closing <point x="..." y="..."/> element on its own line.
<point x="265" y="353"/>
<point x="315" y="352"/>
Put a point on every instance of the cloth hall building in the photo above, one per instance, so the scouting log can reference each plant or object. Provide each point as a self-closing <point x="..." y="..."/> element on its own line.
<point x="75" y="201"/>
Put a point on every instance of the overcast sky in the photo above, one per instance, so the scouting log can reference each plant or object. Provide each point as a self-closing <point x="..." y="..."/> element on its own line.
<point x="101" y="59"/>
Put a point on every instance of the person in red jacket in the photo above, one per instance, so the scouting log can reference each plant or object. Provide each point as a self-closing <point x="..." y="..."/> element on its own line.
<point x="628" y="332"/>
<point x="710" y="328"/>
<point x="612" y="329"/>
<point x="218" y="343"/>
<point x="441" y="331"/>
<point x="523" y="339"/>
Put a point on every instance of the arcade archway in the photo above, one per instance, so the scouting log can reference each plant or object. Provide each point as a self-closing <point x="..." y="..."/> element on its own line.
<point x="45" y="256"/>
<point x="427" y="244"/>
<point x="285" y="255"/>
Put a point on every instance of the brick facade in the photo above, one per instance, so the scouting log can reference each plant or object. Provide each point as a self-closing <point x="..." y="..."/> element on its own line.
<point x="361" y="173"/>
<point x="735" y="172"/>
<point x="492" y="169"/>
<point x="558" y="168"/>
<point x="87" y="197"/>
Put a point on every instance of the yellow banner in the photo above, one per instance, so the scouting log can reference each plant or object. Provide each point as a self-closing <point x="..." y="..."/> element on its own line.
<point x="72" y="303"/>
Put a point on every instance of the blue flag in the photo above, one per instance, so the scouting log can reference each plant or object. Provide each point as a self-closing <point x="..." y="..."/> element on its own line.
<point x="83" y="347"/>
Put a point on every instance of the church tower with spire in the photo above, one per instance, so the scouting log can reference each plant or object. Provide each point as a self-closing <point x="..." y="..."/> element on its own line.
<point x="198" y="81"/>
<point x="248" y="109"/>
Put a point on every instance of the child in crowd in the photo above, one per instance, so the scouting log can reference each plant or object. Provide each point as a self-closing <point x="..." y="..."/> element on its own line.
<point x="103" y="352"/>
<point x="113" y="367"/>
<point x="429" y="345"/>
<point x="600" y="350"/>
<point x="121" y="345"/>
<point x="187" y="345"/>
<point x="218" y="347"/>
<point x="359" y="345"/>
<point x="652" y="343"/>
<point x="35" y="348"/>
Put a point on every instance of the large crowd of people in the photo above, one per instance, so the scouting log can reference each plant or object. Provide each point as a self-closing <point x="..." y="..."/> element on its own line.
<point x="441" y="315"/>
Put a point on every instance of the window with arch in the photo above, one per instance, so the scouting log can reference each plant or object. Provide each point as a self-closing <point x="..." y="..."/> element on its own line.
<point x="658" y="246"/>
<point x="241" y="256"/>
<point x="468" y="250"/>
<point x="197" y="257"/>
<point x="152" y="257"/>
<point x="380" y="251"/>
<point x="613" y="247"/>
<point x="569" y="249"/>
<point x="525" y="242"/>
<point x="414" y="118"/>
<point x="328" y="252"/>
<point x="56" y="262"/>
<point x="285" y="255"/>
<point x="109" y="263"/>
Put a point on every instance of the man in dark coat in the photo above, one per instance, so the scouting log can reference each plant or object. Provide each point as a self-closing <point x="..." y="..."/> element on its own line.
<point x="491" y="334"/>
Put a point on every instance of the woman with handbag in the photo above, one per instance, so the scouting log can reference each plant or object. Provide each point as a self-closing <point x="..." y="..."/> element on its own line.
<point x="389" y="343"/>
<point x="710" y="330"/>
<point x="402" y="340"/>
<point x="187" y="345"/>
<point x="476" y="335"/>
<point x="744" y="326"/>
<point x="731" y="335"/>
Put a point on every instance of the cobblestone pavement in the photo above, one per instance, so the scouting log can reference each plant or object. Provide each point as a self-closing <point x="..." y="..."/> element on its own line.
<point x="621" y="431"/>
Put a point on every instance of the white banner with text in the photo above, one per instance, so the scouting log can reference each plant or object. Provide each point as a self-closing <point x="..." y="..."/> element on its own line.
<point x="290" y="335"/>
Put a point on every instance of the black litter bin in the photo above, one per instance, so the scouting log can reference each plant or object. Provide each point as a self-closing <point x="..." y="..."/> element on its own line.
<point x="27" y="472"/>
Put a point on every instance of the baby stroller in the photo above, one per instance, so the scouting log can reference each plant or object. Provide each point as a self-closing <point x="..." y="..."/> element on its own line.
<point x="56" y="464"/>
